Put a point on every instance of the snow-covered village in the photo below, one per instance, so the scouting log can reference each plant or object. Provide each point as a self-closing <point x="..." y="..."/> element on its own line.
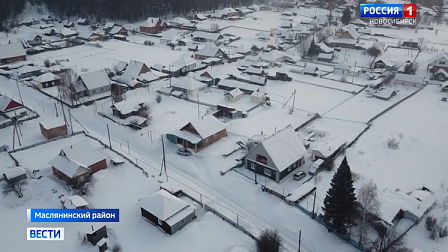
<point x="224" y="126"/>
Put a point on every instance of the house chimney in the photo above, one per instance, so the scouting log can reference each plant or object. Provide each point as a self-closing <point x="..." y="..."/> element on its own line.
<point x="92" y="228"/>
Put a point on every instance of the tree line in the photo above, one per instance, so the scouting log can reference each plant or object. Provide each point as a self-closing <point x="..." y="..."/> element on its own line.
<point x="130" y="10"/>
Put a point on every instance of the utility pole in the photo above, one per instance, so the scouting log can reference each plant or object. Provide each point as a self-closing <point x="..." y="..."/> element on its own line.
<point x="70" y="118"/>
<point x="108" y="134"/>
<point x="294" y="100"/>
<point x="18" y="123"/>
<point x="56" y="108"/>
<point x="20" y="95"/>
<point x="169" y="69"/>
<point x="354" y="71"/>
<point x="300" y="238"/>
<point x="198" y="108"/>
<point x="314" y="203"/>
<point x="163" y="166"/>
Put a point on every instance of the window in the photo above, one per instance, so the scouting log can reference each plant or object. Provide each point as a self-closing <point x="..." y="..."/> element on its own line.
<point x="93" y="91"/>
<point x="442" y="62"/>
<point x="289" y="168"/>
<point x="296" y="164"/>
<point x="101" y="89"/>
<point x="252" y="166"/>
<point x="261" y="159"/>
<point x="267" y="172"/>
<point x="206" y="140"/>
<point x="214" y="136"/>
<point x="159" y="221"/>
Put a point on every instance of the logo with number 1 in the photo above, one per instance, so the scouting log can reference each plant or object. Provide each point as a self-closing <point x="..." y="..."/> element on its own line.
<point x="409" y="10"/>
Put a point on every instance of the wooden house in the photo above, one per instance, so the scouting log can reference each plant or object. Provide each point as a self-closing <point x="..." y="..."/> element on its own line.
<point x="278" y="155"/>
<point x="188" y="86"/>
<point x="96" y="235"/>
<point x="89" y="84"/>
<point x="198" y="134"/>
<point x="128" y="107"/>
<point x="34" y="39"/>
<point x="83" y="21"/>
<point x="53" y="128"/>
<point x="234" y="95"/>
<point x="167" y="211"/>
<point x="409" y="80"/>
<point x="153" y="25"/>
<point x="438" y="61"/>
<point x="11" y="53"/>
<point x="69" y="24"/>
<point x="46" y="80"/>
<point x="7" y="104"/>
<point x="117" y="30"/>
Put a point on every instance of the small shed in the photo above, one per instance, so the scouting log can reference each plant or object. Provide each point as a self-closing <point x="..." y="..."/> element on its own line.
<point x="409" y="80"/>
<point x="257" y="97"/>
<point x="385" y="94"/>
<point x="95" y="235"/>
<point x="116" y="161"/>
<point x="53" y="128"/>
<point x="234" y="95"/>
<point x="102" y="245"/>
<point x="74" y="202"/>
<point x="83" y="21"/>
<point x="328" y="149"/>
<point x="325" y="57"/>
<point x="310" y="70"/>
<point x="14" y="175"/>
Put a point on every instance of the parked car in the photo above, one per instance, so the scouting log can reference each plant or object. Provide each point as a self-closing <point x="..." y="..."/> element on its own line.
<point x="316" y="166"/>
<point x="184" y="152"/>
<point x="299" y="175"/>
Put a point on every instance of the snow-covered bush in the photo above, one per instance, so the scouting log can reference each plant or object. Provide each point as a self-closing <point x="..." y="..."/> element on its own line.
<point x="373" y="51"/>
<point x="148" y="43"/>
<point x="269" y="241"/>
<point x="116" y="248"/>
<point x="47" y="63"/>
<point x="432" y="227"/>
<point x="158" y="98"/>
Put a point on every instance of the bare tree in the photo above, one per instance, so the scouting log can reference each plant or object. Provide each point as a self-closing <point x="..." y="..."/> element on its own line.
<point x="303" y="47"/>
<point x="145" y="112"/>
<point x="67" y="78"/>
<point x="421" y="42"/>
<point x="214" y="27"/>
<point x="390" y="242"/>
<point x="269" y="241"/>
<point x="16" y="188"/>
<point x="85" y="189"/>
<point x="368" y="199"/>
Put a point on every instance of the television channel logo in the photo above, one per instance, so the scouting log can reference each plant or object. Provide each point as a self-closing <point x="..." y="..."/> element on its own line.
<point x="388" y="10"/>
<point x="44" y="234"/>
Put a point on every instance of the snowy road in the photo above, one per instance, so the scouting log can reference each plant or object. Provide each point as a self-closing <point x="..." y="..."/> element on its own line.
<point x="262" y="209"/>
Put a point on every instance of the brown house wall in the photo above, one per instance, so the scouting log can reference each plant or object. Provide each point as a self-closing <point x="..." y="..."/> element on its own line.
<point x="436" y="68"/>
<point x="98" y="166"/>
<point x="212" y="139"/>
<point x="55" y="132"/>
<point x="190" y="129"/>
<point x="12" y="60"/>
<point x="199" y="57"/>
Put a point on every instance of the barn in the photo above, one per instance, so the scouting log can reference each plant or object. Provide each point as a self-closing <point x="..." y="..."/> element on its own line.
<point x="53" y="128"/>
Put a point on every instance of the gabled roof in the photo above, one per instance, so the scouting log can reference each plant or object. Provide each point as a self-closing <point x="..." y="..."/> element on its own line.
<point x="75" y="201"/>
<point x="115" y="30"/>
<point x="83" y="154"/>
<point x="27" y="69"/>
<point x="228" y="10"/>
<point x="206" y="35"/>
<point x="325" y="56"/>
<point x="254" y="70"/>
<point x="49" y="31"/>
<point x="129" y="105"/>
<point x="109" y="25"/>
<point x="68" y="32"/>
<point x="162" y="205"/>
<point x="432" y="59"/>
<point x="182" y="62"/>
<point x="152" y="22"/>
<point x="409" y="78"/>
<point x="11" y="51"/>
<point x="286" y="24"/>
<point x="257" y="79"/>
<point x="69" y="168"/>
<point x="133" y="69"/>
<point x="121" y="66"/>
<point x="85" y="34"/>
<point x="81" y="20"/>
<point x="180" y="20"/>
<point x="441" y="71"/>
<point x="207" y="126"/>
<point x="33" y="36"/>
<point x="187" y="83"/>
<point x="200" y="16"/>
<point x="95" y="79"/>
<point x="209" y="51"/>
<point x="325" y="48"/>
<point x="6" y="102"/>
<point x="243" y="50"/>
<point x="310" y="69"/>
<point x="284" y="148"/>
<point x="46" y="77"/>
<point x="234" y="93"/>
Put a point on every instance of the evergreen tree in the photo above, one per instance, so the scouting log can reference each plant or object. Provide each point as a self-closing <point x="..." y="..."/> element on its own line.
<point x="312" y="48"/>
<point x="346" y="16"/>
<point x="340" y="202"/>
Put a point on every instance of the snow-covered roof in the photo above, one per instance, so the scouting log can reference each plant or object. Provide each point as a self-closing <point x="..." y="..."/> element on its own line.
<point x="206" y="35"/>
<point x="182" y="214"/>
<point x="32" y="36"/>
<point x="48" y="31"/>
<point x="46" y="77"/>
<point x="129" y="105"/>
<point x="275" y="55"/>
<point x="101" y="242"/>
<point x="83" y="154"/>
<point x="301" y="191"/>
<point x="27" y="69"/>
<point x="228" y="10"/>
<point x="81" y="20"/>
<point x="169" y="37"/>
<point x="52" y="123"/>
<point x="264" y="35"/>
<point x="254" y="7"/>
<point x="85" y="34"/>
<point x="242" y="50"/>
<point x="133" y="69"/>
<point x="441" y="71"/>
<point x="4" y="102"/>
<point x="434" y="58"/>
<point x="344" y="41"/>
<point x="75" y="201"/>
<point x="69" y="168"/>
<point x="409" y="78"/>
<point x="254" y="70"/>
<point x="180" y="20"/>
<point x="14" y="172"/>
<point x="115" y="30"/>
<point x="11" y="51"/>
<point x="257" y="79"/>
<point x="425" y="197"/>
<point x="325" y="56"/>
<point x="286" y="24"/>
<point x="68" y="32"/>
<point x="310" y="69"/>
<point x="445" y="84"/>
<point x="208" y="51"/>
<point x="109" y="25"/>
<point x="364" y="30"/>
<point x="121" y="66"/>
<point x="200" y="16"/>
<point x="207" y="126"/>
<point x="284" y="148"/>
<point x="325" y="48"/>
<point x="234" y="93"/>
<point x="148" y="76"/>
<point x="258" y="94"/>
<point x="152" y="21"/>
<point x="238" y="84"/>
<point x="187" y="83"/>
<point x="94" y="80"/>
<point x="162" y="204"/>
<point x="385" y="93"/>
<point x="325" y="149"/>
<point x="392" y="202"/>
<point x="299" y="28"/>
<point x="182" y="62"/>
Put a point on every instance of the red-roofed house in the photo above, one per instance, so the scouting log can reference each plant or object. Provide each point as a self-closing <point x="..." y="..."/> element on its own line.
<point x="153" y="25"/>
<point x="7" y="104"/>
